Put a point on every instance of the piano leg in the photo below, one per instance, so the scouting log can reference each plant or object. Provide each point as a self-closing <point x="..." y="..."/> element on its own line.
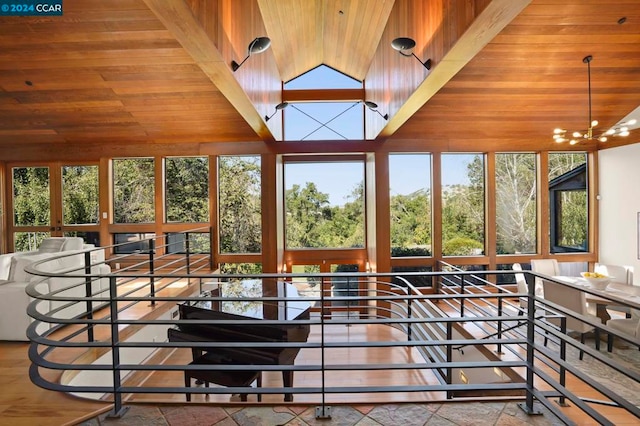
<point x="287" y="381"/>
<point x="195" y="354"/>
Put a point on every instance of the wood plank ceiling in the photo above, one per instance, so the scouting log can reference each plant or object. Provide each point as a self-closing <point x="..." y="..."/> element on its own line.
<point x="129" y="71"/>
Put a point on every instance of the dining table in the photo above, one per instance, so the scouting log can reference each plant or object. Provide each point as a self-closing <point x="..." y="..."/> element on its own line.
<point x="612" y="295"/>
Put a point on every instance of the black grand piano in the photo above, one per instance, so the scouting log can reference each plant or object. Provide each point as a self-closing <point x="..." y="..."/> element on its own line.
<point x="210" y="331"/>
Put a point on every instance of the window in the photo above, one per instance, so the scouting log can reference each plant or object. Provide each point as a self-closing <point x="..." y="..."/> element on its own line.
<point x="239" y="201"/>
<point x="241" y="269"/>
<point x="80" y="195"/>
<point x="324" y="204"/>
<point x="324" y="121"/>
<point x="463" y="205"/>
<point x="31" y="199"/>
<point x="31" y="206"/>
<point x="132" y="242"/>
<point x="305" y="121"/>
<point x="568" y="202"/>
<point x="133" y="190"/>
<point x="516" y="203"/>
<point x="410" y="201"/>
<point x="187" y="189"/>
<point x="199" y="242"/>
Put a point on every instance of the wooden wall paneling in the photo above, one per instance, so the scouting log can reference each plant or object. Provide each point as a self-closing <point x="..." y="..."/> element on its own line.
<point x="436" y="182"/>
<point x="489" y="22"/>
<point x="544" y="230"/>
<point x="213" y="210"/>
<point x="490" y="217"/>
<point x="179" y="19"/>
<point x="593" y="193"/>
<point x="377" y="212"/>
<point x="105" y="191"/>
<point x="294" y="26"/>
<point x="351" y="33"/>
<point x="259" y="77"/>
<point x="271" y="213"/>
<point x="3" y="208"/>
<point x="160" y="206"/>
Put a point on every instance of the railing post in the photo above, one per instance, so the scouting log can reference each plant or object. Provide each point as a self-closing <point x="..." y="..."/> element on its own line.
<point x="563" y="356"/>
<point x="152" y="280"/>
<point x="187" y="249"/>
<point x="88" y="293"/>
<point x="118" y="409"/>
<point x="449" y="357"/>
<point x="527" y="407"/>
<point x="462" y="294"/>
<point x="322" y="412"/>
<point x="499" y="333"/>
<point x="409" y="316"/>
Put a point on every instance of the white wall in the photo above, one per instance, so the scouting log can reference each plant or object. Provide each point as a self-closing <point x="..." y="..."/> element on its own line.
<point x="619" y="184"/>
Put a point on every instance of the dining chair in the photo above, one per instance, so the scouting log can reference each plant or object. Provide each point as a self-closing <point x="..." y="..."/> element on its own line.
<point x="627" y="326"/>
<point x="620" y="274"/>
<point x="544" y="266"/>
<point x="522" y="287"/>
<point x="574" y="300"/>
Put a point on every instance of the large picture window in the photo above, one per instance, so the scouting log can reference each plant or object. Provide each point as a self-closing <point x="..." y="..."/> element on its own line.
<point x="516" y="203"/>
<point x="31" y="206"/>
<point x="410" y="204"/>
<point x="186" y="189"/>
<point x="324" y="204"/>
<point x="568" y="202"/>
<point x="80" y="195"/>
<point x="133" y="190"/>
<point x="463" y="205"/>
<point x="239" y="201"/>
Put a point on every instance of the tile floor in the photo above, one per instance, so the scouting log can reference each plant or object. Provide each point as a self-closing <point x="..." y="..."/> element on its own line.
<point x="434" y="414"/>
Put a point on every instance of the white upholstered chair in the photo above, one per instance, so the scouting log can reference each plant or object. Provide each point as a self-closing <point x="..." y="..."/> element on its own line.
<point x="627" y="326"/>
<point x="574" y="300"/>
<point x="544" y="266"/>
<point x="619" y="274"/>
<point x="521" y="282"/>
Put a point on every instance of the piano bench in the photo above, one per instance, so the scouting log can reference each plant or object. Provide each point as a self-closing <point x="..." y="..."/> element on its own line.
<point x="230" y="378"/>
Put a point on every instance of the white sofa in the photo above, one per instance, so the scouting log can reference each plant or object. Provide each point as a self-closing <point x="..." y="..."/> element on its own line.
<point x="14" y="280"/>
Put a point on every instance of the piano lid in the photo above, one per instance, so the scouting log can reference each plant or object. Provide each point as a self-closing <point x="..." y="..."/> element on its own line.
<point x="251" y="289"/>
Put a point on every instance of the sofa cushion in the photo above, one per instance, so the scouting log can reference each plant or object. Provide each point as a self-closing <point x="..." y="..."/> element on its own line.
<point x="58" y="244"/>
<point x="51" y="245"/>
<point x="72" y="243"/>
<point x="18" y="263"/>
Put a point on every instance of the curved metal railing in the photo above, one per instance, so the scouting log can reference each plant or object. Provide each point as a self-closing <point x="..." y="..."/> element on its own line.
<point x="116" y="339"/>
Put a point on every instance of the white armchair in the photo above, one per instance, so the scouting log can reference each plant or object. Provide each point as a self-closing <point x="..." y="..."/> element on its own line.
<point x="13" y="298"/>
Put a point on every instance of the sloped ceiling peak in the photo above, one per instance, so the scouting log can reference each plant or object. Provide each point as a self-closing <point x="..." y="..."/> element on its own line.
<point x="342" y="34"/>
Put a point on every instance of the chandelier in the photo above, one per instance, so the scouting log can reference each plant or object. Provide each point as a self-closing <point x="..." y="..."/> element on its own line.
<point x="622" y="129"/>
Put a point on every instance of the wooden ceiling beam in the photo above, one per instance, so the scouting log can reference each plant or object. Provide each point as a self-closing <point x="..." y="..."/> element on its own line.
<point x="497" y="15"/>
<point x="323" y="95"/>
<point x="178" y="17"/>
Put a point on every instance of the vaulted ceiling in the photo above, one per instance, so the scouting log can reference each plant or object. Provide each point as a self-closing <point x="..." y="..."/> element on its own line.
<point x="505" y="72"/>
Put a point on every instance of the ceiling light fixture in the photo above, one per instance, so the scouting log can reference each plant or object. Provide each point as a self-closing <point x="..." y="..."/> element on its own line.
<point x="560" y="135"/>
<point x="374" y="107"/>
<point x="404" y="44"/>
<point x="258" y="45"/>
<point x="280" y="106"/>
